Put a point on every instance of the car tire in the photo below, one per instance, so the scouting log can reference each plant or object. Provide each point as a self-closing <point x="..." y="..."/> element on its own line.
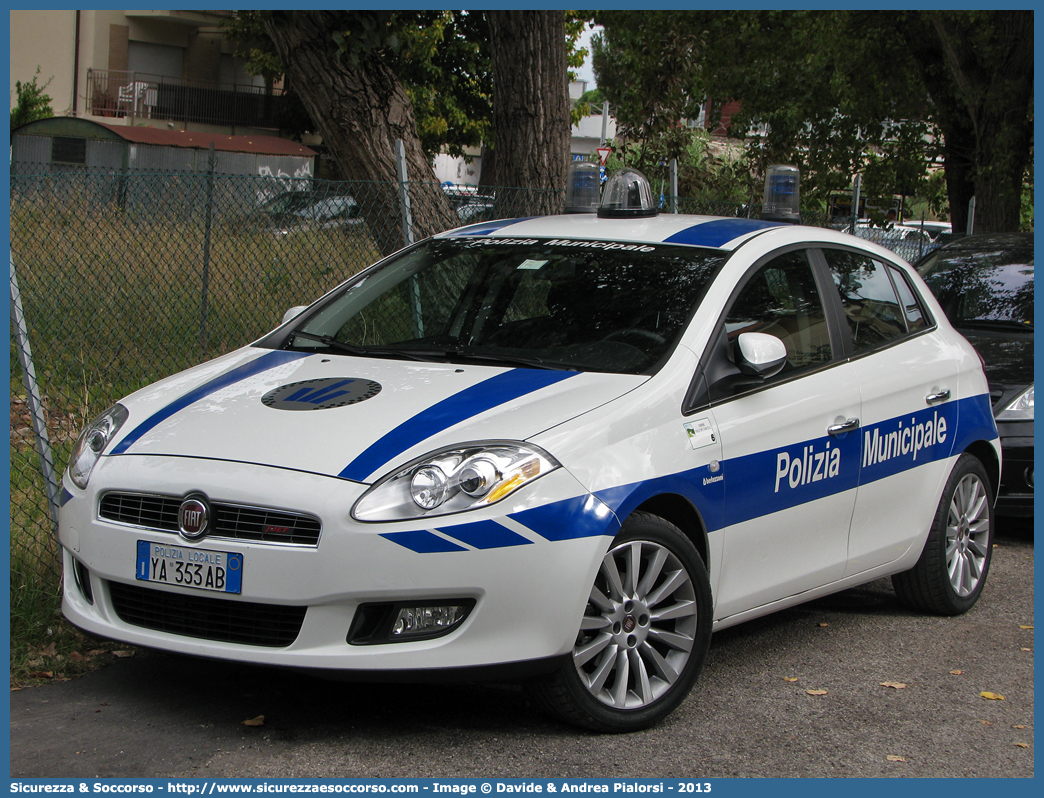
<point x="951" y="572"/>
<point x="644" y="636"/>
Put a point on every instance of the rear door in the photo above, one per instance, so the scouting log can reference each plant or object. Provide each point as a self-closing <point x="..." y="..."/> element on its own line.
<point x="907" y="379"/>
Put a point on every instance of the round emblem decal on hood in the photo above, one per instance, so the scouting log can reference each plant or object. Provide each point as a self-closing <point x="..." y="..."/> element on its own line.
<point x="321" y="394"/>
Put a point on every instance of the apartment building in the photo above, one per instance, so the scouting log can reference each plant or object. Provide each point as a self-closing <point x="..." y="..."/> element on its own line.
<point x="170" y="69"/>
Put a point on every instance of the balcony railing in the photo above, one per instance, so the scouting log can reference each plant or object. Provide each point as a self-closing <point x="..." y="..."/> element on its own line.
<point x="139" y="95"/>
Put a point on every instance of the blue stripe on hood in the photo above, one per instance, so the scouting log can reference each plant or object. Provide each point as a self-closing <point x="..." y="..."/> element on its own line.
<point x="461" y="406"/>
<point x="256" y="366"/>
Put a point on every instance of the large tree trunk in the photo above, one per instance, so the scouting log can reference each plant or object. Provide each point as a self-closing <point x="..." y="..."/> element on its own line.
<point x="992" y="67"/>
<point x="530" y="105"/>
<point x="360" y="111"/>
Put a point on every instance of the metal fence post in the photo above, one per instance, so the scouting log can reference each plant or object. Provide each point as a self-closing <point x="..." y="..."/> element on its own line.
<point x="404" y="193"/>
<point x="857" y="186"/>
<point x="407" y="234"/>
<point x="971" y="216"/>
<point x="208" y="224"/>
<point x="674" y="185"/>
<point x="34" y="400"/>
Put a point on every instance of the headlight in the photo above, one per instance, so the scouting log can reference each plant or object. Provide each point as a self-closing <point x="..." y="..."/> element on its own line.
<point x="1020" y="409"/>
<point x="454" y="480"/>
<point x="92" y="443"/>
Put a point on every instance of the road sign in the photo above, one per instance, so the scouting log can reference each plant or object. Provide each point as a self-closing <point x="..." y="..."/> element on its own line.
<point x="603" y="154"/>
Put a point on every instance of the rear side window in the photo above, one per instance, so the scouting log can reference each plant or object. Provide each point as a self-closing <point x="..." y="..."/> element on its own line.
<point x="874" y="314"/>
<point x="916" y="319"/>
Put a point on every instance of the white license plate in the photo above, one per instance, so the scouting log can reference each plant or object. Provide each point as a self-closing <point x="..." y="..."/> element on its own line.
<point x="202" y="569"/>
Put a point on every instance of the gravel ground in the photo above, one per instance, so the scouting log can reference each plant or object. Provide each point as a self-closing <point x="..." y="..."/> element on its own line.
<point x="750" y="714"/>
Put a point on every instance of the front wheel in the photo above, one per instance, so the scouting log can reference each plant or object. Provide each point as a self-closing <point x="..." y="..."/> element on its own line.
<point x="951" y="572"/>
<point x="644" y="636"/>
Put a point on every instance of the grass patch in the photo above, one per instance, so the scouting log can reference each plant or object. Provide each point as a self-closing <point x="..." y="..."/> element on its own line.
<point x="117" y="293"/>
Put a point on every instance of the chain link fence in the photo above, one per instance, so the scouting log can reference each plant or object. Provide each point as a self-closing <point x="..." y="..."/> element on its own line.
<point x="128" y="278"/>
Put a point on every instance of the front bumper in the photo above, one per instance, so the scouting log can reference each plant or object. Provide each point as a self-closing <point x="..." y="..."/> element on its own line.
<point x="1015" y="497"/>
<point x="528" y="563"/>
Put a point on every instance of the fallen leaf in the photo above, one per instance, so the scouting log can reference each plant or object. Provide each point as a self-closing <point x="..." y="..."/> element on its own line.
<point x="896" y="685"/>
<point x="991" y="696"/>
<point x="76" y="656"/>
<point x="46" y="651"/>
<point x="1020" y="726"/>
<point x="42" y="674"/>
<point x="1021" y="626"/>
<point x="1022" y="745"/>
<point x="1027" y="649"/>
<point x="956" y="673"/>
<point x="790" y="678"/>
<point x="123" y="653"/>
<point x="15" y="689"/>
<point x="816" y="692"/>
<point x="258" y="721"/>
<point x="986" y="722"/>
<point x="894" y="758"/>
<point x="94" y="652"/>
<point x="823" y="625"/>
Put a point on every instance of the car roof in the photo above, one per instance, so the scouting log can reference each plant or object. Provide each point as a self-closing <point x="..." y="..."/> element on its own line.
<point x="989" y="241"/>
<point x="716" y="232"/>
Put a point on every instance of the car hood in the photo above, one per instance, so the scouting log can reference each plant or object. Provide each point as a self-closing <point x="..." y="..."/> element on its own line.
<point x="1008" y="355"/>
<point x="349" y="417"/>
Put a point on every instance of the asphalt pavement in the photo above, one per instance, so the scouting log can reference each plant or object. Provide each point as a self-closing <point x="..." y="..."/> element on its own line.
<point x="894" y="694"/>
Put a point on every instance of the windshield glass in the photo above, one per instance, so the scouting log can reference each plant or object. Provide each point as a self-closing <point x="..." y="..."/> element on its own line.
<point x="991" y="286"/>
<point x="595" y="306"/>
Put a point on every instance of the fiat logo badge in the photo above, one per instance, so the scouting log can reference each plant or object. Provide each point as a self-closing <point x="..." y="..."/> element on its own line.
<point x="193" y="518"/>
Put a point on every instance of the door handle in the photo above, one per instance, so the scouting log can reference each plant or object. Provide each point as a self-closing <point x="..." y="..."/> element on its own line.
<point x="940" y="396"/>
<point x="845" y="426"/>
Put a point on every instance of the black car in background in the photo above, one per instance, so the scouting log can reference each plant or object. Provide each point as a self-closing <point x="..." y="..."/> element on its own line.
<point x="985" y="285"/>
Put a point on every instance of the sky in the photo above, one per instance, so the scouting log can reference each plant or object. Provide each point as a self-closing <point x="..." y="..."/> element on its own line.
<point x="586" y="72"/>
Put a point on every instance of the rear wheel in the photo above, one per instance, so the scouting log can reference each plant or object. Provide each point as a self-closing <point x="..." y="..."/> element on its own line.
<point x="951" y="572"/>
<point x="644" y="636"/>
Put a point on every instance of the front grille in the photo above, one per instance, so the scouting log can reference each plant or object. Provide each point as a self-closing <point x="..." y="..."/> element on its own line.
<point x="207" y="618"/>
<point x="237" y="522"/>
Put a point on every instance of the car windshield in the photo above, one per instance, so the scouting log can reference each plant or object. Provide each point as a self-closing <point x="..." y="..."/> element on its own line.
<point x="983" y="287"/>
<point x="585" y="305"/>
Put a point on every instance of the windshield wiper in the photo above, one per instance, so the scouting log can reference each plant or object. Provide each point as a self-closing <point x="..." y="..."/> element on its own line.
<point x="370" y="351"/>
<point x="511" y="360"/>
<point x="429" y="355"/>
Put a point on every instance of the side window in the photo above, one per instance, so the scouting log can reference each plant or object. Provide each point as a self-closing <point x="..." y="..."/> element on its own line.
<point x="915" y="317"/>
<point x="871" y="307"/>
<point x="781" y="299"/>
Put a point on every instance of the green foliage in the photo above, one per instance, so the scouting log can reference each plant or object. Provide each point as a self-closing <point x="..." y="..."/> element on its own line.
<point x="32" y="103"/>
<point x="648" y="67"/>
<point x="835" y="93"/>
<point x="708" y="171"/>
<point x="574" y="27"/>
<point x="444" y="63"/>
<point x="442" y="59"/>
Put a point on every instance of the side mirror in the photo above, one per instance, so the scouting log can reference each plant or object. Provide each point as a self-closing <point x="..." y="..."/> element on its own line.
<point x="294" y="311"/>
<point x="760" y="355"/>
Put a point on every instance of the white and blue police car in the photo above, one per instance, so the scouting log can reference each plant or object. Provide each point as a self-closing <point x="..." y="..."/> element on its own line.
<point x="563" y="449"/>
